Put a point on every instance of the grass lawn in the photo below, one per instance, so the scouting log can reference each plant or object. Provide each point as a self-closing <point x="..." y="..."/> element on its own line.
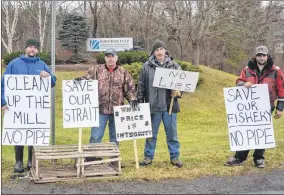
<point x="202" y="131"/>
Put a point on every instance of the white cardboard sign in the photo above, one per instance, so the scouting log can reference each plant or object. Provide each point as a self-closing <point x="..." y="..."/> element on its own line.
<point x="175" y="79"/>
<point x="80" y="103"/>
<point x="132" y="124"/>
<point x="249" y="117"/>
<point x="27" y="122"/>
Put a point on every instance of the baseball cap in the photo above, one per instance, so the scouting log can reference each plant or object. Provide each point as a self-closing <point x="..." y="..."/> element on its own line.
<point x="261" y="49"/>
<point x="110" y="51"/>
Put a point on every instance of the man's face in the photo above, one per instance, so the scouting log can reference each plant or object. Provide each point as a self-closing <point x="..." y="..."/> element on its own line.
<point x="31" y="51"/>
<point x="160" y="53"/>
<point x="110" y="60"/>
<point x="261" y="59"/>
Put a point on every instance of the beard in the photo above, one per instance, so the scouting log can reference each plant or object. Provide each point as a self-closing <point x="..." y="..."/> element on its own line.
<point x="262" y="63"/>
<point x="160" y="57"/>
<point x="31" y="54"/>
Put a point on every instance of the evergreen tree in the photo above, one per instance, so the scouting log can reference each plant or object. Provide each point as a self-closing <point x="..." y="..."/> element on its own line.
<point x="73" y="35"/>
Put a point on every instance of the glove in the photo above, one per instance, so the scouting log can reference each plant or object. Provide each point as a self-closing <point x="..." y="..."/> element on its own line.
<point x="134" y="104"/>
<point x="175" y="93"/>
<point x="78" y="79"/>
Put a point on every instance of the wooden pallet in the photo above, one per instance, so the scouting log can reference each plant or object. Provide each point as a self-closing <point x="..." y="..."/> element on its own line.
<point x="43" y="171"/>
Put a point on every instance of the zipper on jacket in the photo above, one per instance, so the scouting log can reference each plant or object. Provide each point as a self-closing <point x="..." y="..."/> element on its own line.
<point x="109" y="90"/>
<point x="265" y="74"/>
<point x="259" y="79"/>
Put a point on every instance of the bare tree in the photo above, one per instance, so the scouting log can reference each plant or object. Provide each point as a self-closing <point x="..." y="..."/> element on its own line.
<point x="40" y="11"/>
<point x="94" y="10"/>
<point x="201" y="22"/>
<point x="220" y="34"/>
<point x="11" y="15"/>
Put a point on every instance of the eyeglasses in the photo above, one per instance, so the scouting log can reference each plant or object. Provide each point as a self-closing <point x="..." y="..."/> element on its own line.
<point x="261" y="54"/>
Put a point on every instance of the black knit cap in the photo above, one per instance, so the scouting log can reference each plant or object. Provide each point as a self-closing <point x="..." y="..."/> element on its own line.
<point x="157" y="44"/>
<point x="32" y="42"/>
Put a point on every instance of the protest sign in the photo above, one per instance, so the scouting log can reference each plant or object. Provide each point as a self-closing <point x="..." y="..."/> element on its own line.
<point x="27" y="122"/>
<point x="132" y="124"/>
<point x="175" y="79"/>
<point x="80" y="103"/>
<point x="249" y="117"/>
<point x="80" y="107"/>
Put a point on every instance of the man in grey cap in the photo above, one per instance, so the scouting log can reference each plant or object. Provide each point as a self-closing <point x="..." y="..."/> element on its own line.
<point x="114" y="83"/>
<point x="261" y="70"/>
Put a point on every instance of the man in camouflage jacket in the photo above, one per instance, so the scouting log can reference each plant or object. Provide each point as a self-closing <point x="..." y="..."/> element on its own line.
<point x="114" y="83"/>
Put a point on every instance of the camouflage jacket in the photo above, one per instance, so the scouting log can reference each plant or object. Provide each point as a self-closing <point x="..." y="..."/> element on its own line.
<point x="113" y="86"/>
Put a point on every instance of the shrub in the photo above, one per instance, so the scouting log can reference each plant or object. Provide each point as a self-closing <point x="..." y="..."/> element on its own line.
<point x="126" y="57"/>
<point x="187" y="66"/>
<point x="134" y="70"/>
<point x="9" y="57"/>
<point x="44" y="56"/>
<point x="100" y="58"/>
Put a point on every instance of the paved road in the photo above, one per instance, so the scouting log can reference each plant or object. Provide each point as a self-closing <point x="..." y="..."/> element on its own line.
<point x="260" y="183"/>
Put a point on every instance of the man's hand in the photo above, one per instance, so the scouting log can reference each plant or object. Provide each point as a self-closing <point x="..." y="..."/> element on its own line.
<point x="175" y="93"/>
<point x="5" y="108"/>
<point x="247" y="84"/>
<point x="44" y="74"/>
<point x="134" y="104"/>
<point x="278" y="114"/>
<point x="79" y="79"/>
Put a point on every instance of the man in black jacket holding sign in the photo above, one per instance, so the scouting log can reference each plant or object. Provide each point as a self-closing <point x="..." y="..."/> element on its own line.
<point x="159" y="100"/>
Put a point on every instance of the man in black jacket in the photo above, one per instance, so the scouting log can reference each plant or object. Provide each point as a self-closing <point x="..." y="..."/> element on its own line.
<point x="159" y="100"/>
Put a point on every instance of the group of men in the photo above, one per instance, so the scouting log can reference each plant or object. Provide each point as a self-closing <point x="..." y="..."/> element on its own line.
<point x="115" y="83"/>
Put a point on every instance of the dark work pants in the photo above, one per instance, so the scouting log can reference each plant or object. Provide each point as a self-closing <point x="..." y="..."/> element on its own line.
<point x="257" y="155"/>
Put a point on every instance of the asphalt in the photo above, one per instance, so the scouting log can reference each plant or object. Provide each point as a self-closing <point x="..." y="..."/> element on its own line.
<point x="263" y="182"/>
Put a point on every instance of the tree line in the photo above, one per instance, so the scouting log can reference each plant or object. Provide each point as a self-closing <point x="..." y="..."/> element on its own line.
<point x="219" y="34"/>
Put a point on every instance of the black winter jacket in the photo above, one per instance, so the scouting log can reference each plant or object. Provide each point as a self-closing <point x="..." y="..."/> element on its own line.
<point x="149" y="94"/>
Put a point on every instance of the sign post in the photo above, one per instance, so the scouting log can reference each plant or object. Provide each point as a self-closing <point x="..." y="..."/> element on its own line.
<point x="80" y="108"/>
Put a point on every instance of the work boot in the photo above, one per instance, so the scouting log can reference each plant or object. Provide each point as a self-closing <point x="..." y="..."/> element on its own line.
<point x="177" y="162"/>
<point x="233" y="161"/>
<point x="19" y="153"/>
<point x="30" y="157"/>
<point x="259" y="163"/>
<point x="146" y="162"/>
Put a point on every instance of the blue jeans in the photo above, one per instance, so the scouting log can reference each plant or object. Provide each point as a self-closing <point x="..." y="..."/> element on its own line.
<point x="97" y="133"/>
<point x="170" y="125"/>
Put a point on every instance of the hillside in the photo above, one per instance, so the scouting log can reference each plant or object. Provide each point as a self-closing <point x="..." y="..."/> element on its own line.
<point x="202" y="131"/>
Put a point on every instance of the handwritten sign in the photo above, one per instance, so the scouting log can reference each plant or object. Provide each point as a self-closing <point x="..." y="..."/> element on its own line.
<point x="175" y="79"/>
<point x="249" y="117"/>
<point x="132" y="124"/>
<point x="80" y="103"/>
<point x="27" y="122"/>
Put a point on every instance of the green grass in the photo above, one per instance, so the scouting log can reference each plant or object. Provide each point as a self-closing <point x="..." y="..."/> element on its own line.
<point x="202" y="132"/>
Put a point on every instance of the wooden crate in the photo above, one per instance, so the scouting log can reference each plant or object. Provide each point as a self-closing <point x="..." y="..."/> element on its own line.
<point x="44" y="171"/>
